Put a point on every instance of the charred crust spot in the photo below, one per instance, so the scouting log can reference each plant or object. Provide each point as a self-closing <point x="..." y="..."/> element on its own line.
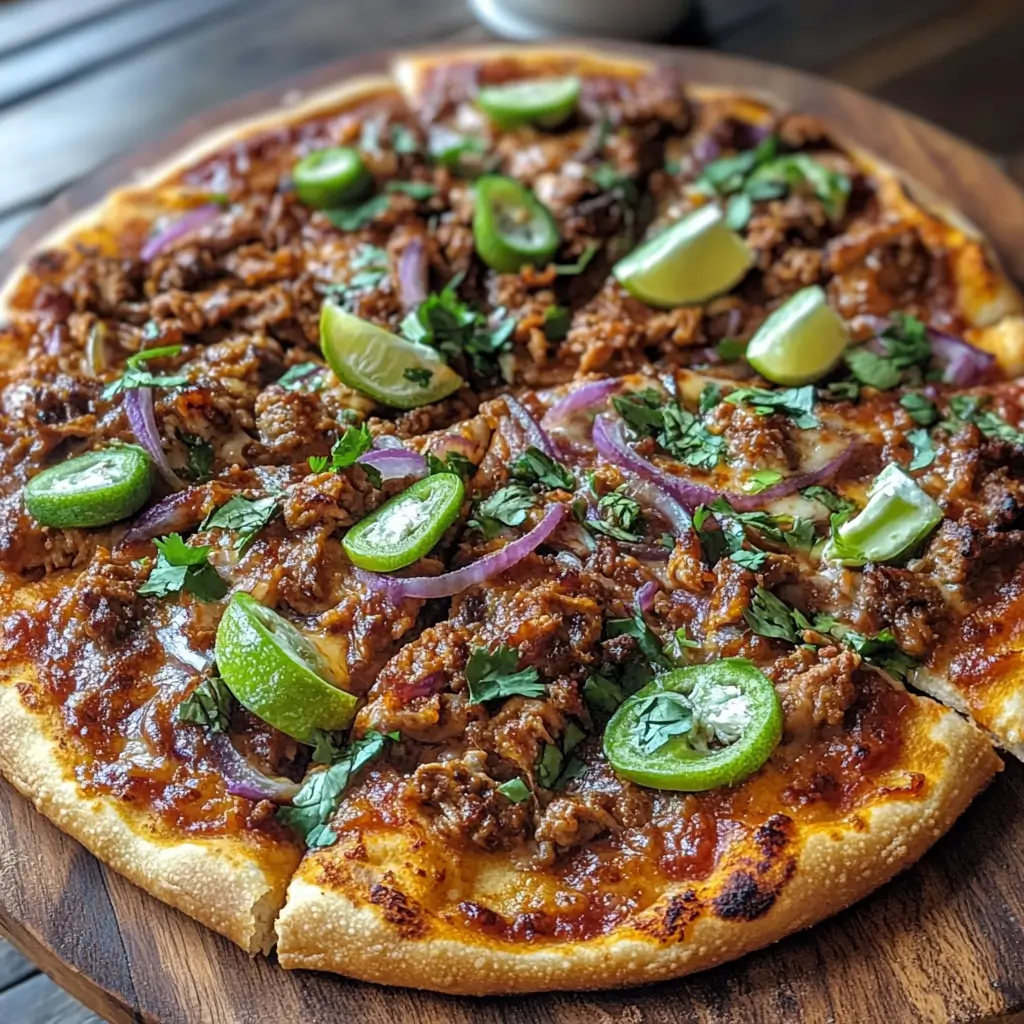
<point x="743" y="899"/>
<point x="773" y="836"/>
<point x="400" y="910"/>
<point x="682" y="909"/>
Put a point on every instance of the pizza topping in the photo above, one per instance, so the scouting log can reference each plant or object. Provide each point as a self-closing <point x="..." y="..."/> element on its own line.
<point x="94" y="489"/>
<point x="511" y="227"/>
<point x="545" y="102"/>
<point x="182" y="568"/>
<point x="408" y="526"/>
<point x="451" y="583"/>
<point x="138" y="375"/>
<point x="277" y="673"/>
<point x="800" y="342"/>
<point x="244" y="779"/>
<point x="691" y="261"/>
<point x="493" y="675"/>
<point x="696" y="728"/>
<point x="390" y="369"/>
<point x="898" y="516"/>
<point x="331" y="177"/>
<point x="180" y="228"/>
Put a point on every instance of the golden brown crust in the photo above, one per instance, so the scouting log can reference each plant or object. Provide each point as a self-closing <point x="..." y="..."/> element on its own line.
<point x="354" y="930"/>
<point x="229" y="885"/>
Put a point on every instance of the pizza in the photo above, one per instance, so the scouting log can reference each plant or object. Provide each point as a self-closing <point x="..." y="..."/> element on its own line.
<point x="523" y="522"/>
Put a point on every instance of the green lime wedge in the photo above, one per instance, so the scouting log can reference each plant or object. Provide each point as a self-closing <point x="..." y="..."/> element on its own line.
<point x="277" y="673"/>
<point x="691" y="261"/>
<point x="382" y="365"/>
<point x="801" y="341"/>
<point x="546" y="102"/>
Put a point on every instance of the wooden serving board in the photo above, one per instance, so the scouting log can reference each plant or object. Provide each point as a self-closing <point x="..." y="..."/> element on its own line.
<point x="943" y="942"/>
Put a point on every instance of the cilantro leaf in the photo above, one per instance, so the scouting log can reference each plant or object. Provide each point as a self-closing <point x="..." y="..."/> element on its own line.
<point x="636" y="627"/>
<point x="346" y="449"/>
<point x="418" y="375"/>
<point x="358" y="215"/>
<point x="730" y="349"/>
<point x="728" y="173"/>
<point x="403" y="140"/>
<point x="660" y="717"/>
<point x="905" y="357"/>
<point x="833" y="502"/>
<point x="970" y="409"/>
<point x="316" y="802"/>
<point x="302" y="377"/>
<point x="457" y="330"/>
<point x="761" y="479"/>
<point x="602" y="694"/>
<point x="621" y="517"/>
<point x="515" y="790"/>
<point x="686" y="438"/>
<point x="453" y="462"/>
<point x="768" y="616"/>
<point x="492" y="675"/>
<point x="243" y="516"/>
<point x="180" y="567"/>
<point x="548" y="766"/>
<point x="556" y="323"/>
<point x="881" y="650"/>
<point x="208" y="705"/>
<point x="924" y="450"/>
<point x="796" y="403"/>
<point x="453" y="149"/>
<point x="535" y="467"/>
<point x="921" y="408"/>
<point x="371" y="268"/>
<point x="200" y="457"/>
<point x="710" y="396"/>
<point x="507" y="507"/>
<point x="137" y="376"/>
<point x="418" y="190"/>
<point x="642" y="411"/>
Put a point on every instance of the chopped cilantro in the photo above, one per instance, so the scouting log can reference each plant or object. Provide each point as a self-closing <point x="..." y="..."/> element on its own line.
<point x="904" y="359"/>
<point x="534" y="467"/>
<point x="507" y="507"/>
<point x="243" y="516"/>
<point x="456" y="330"/>
<point x="208" y="705"/>
<point x="200" y="457"/>
<point x="302" y="377"/>
<point x="418" y="375"/>
<point x="710" y="396"/>
<point x="403" y="140"/>
<point x="556" y="323"/>
<point x="637" y="628"/>
<point x="358" y="215"/>
<point x="493" y="675"/>
<point x="833" y="502"/>
<point x="180" y="567"/>
<point x="453" y="462"/>
<point x="682" y="434"/>
<point x="768" y="616"/>
<point x="796" y="403"/>
<point x="660" y="717"/>
<point x="418" y="190"/>
<point x="761" y="479"/>
<point x="346" y="449"/>
<point x="970" y="409"/>
<point x="515" y="790"/>
<point x="602" y="694"/>
<point x="621" y="517"/>
<point x="924" y="450"/>
<point x="730" y="349"/>
<point x="137" y="376"/>
<point x="922" y="409"/>
<point x="315" y="803"/>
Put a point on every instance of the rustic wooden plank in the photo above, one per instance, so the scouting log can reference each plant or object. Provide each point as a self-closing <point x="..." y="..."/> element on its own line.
<point x="32" y="20"/>
<point x="977" y="90"/>
<point x="64" y="133"/>
<point x="13" y="967"/>
<point x="39" y="1001"/>
<point x="64" y="57"/>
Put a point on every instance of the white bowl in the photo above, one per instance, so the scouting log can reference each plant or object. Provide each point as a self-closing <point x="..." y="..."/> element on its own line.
<point x="623" y="19"/>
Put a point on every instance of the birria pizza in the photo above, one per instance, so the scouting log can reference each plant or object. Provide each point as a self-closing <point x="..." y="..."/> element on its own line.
<point x="526" y="522"/>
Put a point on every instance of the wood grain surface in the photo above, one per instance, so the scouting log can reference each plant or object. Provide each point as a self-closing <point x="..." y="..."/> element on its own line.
<point x="943" y="942"/>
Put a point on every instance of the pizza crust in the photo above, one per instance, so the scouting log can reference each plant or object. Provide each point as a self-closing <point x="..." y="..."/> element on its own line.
<point x="228" y="885"/>
<point x="327" y="927"/>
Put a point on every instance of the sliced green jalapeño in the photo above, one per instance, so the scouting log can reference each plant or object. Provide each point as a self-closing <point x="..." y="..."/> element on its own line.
<point x="406" y="527"/>
<point x="696" y="728"/>
<point x="898" y="516"/>
<point x="331" y="177"/>
<point x="511" y="227"/>
<point x="545" y="102"/>
<point x="276" y="672"/>
<point x="94" y="489"/>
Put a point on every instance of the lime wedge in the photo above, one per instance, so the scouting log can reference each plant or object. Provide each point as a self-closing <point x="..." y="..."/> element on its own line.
<point x="277" y="673"/>
<point x="384" y="366"/>
<point x="801" y="341"/>
<point x="546" y="102"/>
<point x="694" y="259"/>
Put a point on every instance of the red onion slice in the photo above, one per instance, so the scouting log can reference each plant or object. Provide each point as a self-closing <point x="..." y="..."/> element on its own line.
<point x="610" y="441"/>
<point x="243" y="779"/>
<point x="451" y="583"/>
<point x="649" y="493"/>
<point x="535" y="434"/>
<point x="587" y="396"/>
<point x="393" y="463"/>
<point x="138" y="407"/>
<point x="183" y="226"/>
<point x="175" y="514"/>
<point x="413" y="271"/>
<point x="646" y="594"/>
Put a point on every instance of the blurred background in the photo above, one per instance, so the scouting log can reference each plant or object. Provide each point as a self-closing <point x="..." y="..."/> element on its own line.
<point x="83" y="80"/>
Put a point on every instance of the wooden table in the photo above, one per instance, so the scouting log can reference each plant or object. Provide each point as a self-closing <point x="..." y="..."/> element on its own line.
<point x="81" y="80"/>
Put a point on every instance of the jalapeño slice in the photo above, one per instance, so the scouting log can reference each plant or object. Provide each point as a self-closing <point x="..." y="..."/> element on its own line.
<point x="382" y="365"/>
<point x="277" y="673"/>
<point x="406" y="527"/>
<point x="545" y="102"/>
<point x="94" y="489"/>
<point x="696" y="728"/>
<point x="511" y="227"/>
<point x="331" y="177"/>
